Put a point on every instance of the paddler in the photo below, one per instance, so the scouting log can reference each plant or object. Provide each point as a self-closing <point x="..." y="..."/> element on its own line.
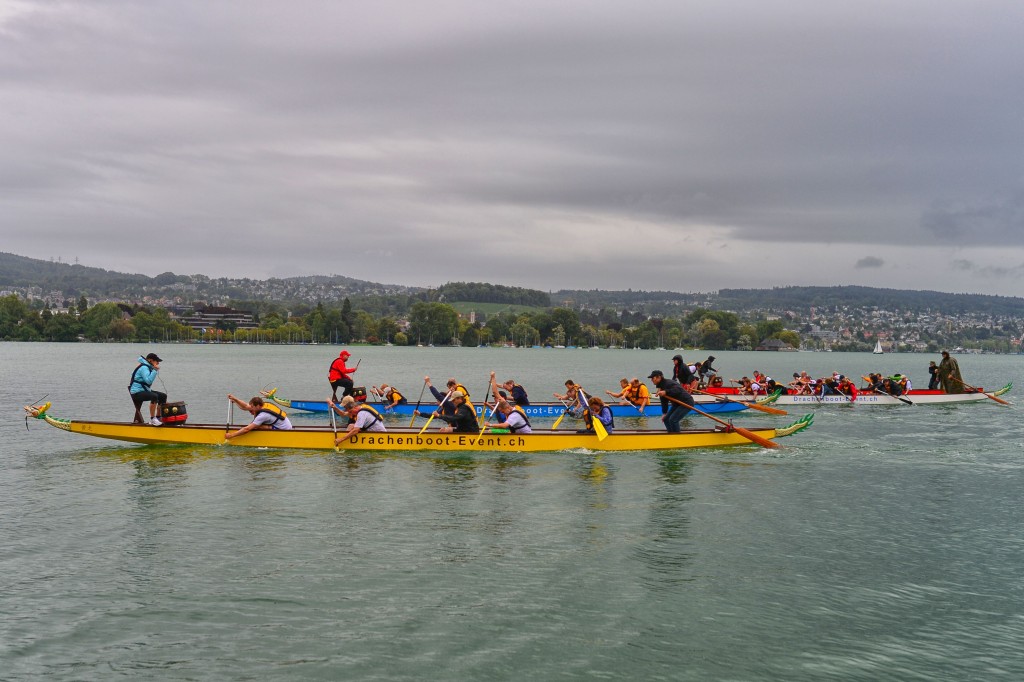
<point x="266" y="416"/>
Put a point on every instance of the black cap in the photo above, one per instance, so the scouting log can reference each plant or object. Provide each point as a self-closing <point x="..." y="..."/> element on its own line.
<point x="655" y="373"/>
<point x="711" y="358"/>
<point x="154" y="356"/>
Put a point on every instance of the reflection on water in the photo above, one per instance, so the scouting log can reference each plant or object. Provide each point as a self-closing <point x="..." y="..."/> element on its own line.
<point x="882" y="543"/>
<point x="666" y="548"/>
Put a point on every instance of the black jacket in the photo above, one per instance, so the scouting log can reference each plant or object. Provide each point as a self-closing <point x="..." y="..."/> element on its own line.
<point x="464" y="419"/>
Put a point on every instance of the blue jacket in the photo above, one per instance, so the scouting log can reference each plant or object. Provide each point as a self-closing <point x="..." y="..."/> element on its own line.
<point x="143" y="377"/>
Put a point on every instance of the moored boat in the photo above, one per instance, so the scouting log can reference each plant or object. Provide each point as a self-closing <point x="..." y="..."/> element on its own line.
<point x="404" y="439"/>
<point x="867" y="397"/>
<point x="533" y="410"/>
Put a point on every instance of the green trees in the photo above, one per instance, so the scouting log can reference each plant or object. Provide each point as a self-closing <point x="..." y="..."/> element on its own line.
<point x="433" y="323"/>
<point x="15" y="320"/>
<point x="98" y="321"/>
<point x="429" y="322"/>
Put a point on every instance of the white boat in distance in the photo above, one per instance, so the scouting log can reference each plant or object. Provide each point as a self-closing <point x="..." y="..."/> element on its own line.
<point x="878" y="347"/>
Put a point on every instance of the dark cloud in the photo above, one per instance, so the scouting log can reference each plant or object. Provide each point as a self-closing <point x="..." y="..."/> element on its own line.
<point x="869" y="262"/>
<point x="318" y="137"/>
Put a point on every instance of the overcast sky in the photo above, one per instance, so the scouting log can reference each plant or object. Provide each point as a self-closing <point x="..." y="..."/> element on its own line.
<point x="686" y="146"/>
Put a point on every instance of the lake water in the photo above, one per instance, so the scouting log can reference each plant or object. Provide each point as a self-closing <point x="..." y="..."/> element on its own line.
<point x="882" y="544"/>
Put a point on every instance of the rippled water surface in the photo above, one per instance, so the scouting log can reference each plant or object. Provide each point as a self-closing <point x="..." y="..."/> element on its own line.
<point x="884" y="543"/>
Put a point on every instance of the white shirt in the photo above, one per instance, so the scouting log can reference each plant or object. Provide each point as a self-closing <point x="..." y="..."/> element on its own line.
<point x="517" y="423"/>
<point x="367" y="421"/>
<point x="265" y="418"/>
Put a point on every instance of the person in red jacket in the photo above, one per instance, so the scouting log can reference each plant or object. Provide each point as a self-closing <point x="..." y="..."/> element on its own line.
<point x="338" y="375"/>
<point x="847" y="387"/>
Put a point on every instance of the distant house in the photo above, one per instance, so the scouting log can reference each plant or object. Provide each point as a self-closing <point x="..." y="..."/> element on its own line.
<point x="774" y="344"/>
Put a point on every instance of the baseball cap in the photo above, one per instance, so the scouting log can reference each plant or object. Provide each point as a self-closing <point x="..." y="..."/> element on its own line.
<point x="655" y="373"/>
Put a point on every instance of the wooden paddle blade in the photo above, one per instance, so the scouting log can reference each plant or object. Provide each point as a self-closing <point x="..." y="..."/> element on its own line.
<point x="559" y="420"/>
<point x="998" y="400"/>
<point x="751" y="436"/>
<point x="427" y="424"/>
<point x="763" y="408"/>
<point x="978" y="390"/>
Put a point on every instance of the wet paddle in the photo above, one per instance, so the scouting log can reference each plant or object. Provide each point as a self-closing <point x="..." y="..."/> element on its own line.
<point x="753" y="437"/>
<point x="334" y="424"/>
<point x="978" y="390"/>
<point x="749" y="403"/>
<point x="418" y="401"/>
<point x="884" y="392"/>
<point x="432" y="414"/>
<point x="562" y="416"/>
<point x="595" y="423"/>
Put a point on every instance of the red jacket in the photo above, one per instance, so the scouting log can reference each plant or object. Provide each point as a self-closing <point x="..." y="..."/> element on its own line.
<point x="338" y="369"/>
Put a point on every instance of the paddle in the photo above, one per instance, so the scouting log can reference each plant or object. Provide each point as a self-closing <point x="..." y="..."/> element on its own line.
<point x="418" y="401"/>
<point x="978" y="390"/>
<point x="334" y="425"/>
<point x="562" y="416"/>
<point x="483" y="413"/>
<point x="881" y="391"/>
<point x="749" y="403"/>
<point x="439" y="406"/>
<point x="381" y="398"/>
<point x="623" y="399"/>
<point x="492" y="387"/>
<point x="595" y="423"/>
<point x="760" y="440"/>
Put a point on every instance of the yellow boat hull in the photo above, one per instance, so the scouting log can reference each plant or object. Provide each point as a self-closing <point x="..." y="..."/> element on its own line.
<point x="322" y="438"/>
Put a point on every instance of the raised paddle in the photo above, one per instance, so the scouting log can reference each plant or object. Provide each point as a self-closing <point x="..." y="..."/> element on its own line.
<point x="760" y="440"/>
<point x="749" y="403"/>
<point x="483" y="426"/>
<point x="439" y="406"/>
<point x="492" y="388"/>
<point x="882" y="391"/>
<point x="595" y="423"/>
<point x="418" y="401"/>
<point x="978" y="390"/>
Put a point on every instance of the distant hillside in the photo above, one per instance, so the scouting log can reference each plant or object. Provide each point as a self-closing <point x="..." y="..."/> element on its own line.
<point x="392" y="299"/>
<point x="74" y="280"/>
<point x="19" y="271"/>
<point x="480" y="292"/>
<point x="822" y="298"/>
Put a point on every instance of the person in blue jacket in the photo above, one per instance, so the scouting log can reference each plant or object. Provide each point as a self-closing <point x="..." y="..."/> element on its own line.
<point x="141" y="388"/>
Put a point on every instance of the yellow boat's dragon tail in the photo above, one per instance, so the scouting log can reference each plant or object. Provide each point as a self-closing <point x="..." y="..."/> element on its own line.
<point x="796" y="427"/>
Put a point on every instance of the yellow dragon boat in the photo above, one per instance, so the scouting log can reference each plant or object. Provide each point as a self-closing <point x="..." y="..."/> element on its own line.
<point x="404" y="439"/>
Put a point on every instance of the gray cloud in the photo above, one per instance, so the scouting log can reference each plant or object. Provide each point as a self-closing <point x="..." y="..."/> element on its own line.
<point x="364" y="138"/>
<point x="869" y="262"/>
